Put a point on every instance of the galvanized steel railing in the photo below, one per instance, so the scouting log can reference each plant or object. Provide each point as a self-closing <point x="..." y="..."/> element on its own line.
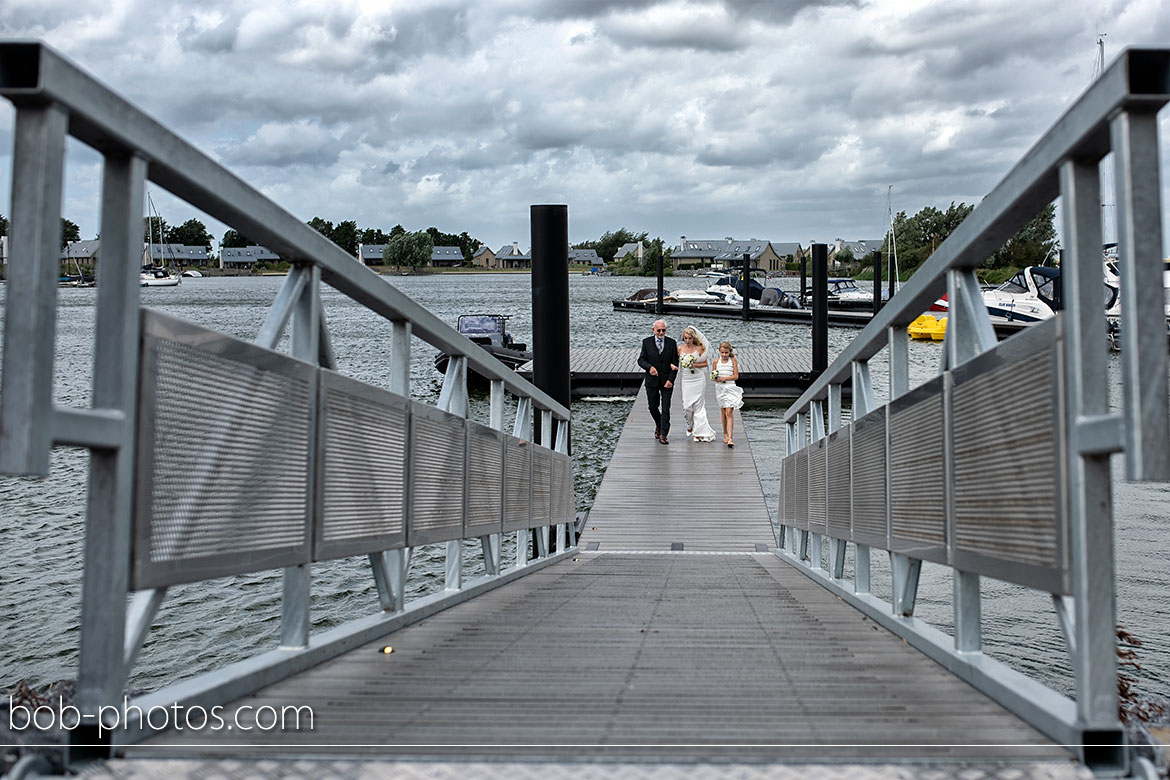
<point x="301" y="465"/>
<point x="944" y="472"/>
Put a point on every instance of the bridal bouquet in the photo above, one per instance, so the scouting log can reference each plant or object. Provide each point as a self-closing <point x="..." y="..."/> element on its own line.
<point x="687" y="361"/>
<point x="714" y="374"/>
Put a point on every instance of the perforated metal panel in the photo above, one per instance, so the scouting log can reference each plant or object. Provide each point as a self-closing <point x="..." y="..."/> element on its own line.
<point x="918" y="473"/>
<point x="868" y="435"/>
<point x="517" y="483"/>
<point x="1007" y="465"/>
<point x="817" y="478"/>
<point x="800" y="489"/>
<point x="562" y="489"/>
<point x="838" y="501"/>
<point x="485" y="481"/>
<point x="223" y="469"/>
<point x="438" y="443"/>
<point x="788" y="489"/>
<point x="541" y="487"/>
<point x="363" y="460"/>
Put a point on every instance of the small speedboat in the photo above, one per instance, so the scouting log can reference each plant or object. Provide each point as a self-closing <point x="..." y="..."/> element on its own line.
<point x="191" y="273"/>
<point x="845" y="294"/>
<point x="490" y="332"/>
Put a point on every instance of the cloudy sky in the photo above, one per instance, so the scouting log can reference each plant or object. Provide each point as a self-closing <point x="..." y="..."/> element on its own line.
<point x="792" y="120"/>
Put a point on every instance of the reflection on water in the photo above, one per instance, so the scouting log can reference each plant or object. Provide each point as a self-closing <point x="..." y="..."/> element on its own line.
<point x="206" y="625"/>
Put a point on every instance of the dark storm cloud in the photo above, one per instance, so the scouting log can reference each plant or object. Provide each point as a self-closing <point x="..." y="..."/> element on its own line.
<point x="780" y="11"/>
<point x="723" y="40"/>
<point x="575" y="9"/>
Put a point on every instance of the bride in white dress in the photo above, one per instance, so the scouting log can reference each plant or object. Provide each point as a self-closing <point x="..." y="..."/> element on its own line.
<point x="694" y="364"/>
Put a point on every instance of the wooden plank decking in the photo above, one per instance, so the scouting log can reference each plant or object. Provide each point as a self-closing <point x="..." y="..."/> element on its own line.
<point x="764" y="372"/>
<point x="633" y="651"/>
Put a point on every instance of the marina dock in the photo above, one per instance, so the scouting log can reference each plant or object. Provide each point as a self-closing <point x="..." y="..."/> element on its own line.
<point x="674" y="636"/>
<point x="764" y="373"/>
<point x="839" y="318"/>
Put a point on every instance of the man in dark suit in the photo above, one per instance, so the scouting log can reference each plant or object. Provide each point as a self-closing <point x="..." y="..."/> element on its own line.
<point x="659" y="353"/>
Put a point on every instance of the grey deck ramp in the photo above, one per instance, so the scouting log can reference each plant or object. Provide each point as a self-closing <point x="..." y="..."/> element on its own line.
<point x="649" y="657"/>
<point x="701" y="495"/>
<point x="639" y="653"/>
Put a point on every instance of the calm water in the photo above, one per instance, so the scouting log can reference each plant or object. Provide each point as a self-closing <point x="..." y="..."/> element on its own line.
<point x="206" y="625"/>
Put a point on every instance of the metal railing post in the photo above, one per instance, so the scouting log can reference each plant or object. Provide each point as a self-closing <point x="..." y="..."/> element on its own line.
<point x="1093" y="435"/>
<point x="30" y="319"/>
<point x="295" y="618"/>
<point x="103" y="646"/>
<point x="1144" y="384"/>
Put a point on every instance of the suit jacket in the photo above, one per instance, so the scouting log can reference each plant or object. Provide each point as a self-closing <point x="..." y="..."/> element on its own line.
<point x="662" y="361"/>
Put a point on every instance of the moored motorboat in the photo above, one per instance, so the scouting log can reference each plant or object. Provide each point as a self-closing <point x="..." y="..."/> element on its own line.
<point x="490" y="332"/>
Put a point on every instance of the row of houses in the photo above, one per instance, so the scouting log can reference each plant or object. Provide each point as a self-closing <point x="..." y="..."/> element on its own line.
<point x="725" y="252"/>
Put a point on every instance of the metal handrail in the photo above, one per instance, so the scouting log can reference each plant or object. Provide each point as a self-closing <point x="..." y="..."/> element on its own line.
<point x="1118" y="115"/>
<point x="32" y="74"/>
<point x="55" y="99"/>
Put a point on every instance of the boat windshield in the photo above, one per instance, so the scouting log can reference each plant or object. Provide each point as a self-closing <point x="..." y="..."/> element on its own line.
<point x="481" y="323"/>
<point x="1016" y="285"/>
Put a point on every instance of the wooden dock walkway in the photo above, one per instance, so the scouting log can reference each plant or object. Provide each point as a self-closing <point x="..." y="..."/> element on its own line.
<point x="674" y="637"/>
<point x="609" y="371"/>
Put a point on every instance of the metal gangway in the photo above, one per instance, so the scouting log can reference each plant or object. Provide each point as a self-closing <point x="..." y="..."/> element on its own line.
<point x="932" y="474"/>
<point x="303" y="464"/>
<point x="843" y="487"/>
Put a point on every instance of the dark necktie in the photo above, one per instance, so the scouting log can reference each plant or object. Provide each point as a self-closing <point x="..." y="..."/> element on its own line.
<point x="659" y="342"/>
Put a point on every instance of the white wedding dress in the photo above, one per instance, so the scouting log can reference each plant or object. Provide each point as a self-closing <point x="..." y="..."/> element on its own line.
<point x="694" y="386"/>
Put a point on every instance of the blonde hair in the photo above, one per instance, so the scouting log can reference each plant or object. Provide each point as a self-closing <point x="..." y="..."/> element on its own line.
<point x="730" y="351"/>
<point x="695" y="337"/>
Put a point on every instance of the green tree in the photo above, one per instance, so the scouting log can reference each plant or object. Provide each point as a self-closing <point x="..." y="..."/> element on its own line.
<point x="69" y="232"/>
<point x="154" y="230"/>
<point x="397" y="231"/>
<point x="373" y="237"/>
<point x="412" y="250"/>
<point x="918" y="236"/>
<point x="190" y="233"/>
<point x="609" y="243"/>
<point x="234" y="239"/>
<point x="1033" y="244"/>
<point x="3" y="225"/>
<point x="322" y="227"/>
<point x="345" y="235"/>
<point x="651" y="251"/>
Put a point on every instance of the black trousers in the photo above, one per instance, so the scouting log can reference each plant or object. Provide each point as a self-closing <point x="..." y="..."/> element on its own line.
<point x="659" y="400"/>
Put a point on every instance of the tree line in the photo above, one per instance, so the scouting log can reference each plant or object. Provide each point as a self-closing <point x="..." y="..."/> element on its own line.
<point x="916" y="238"/>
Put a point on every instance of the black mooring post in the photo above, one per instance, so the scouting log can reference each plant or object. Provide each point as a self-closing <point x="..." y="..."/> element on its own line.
<point x="804" y="301"/>
<point x="658" y="307"/>
<point x="877" y="282"/>
<point x="820" y="307"/>
<point x="550" y="308"/>
<point x="747" y="287"/>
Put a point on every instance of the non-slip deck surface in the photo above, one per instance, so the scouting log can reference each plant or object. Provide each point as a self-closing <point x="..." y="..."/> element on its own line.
<point x="700" y="495"/>
<point x="651" y="657"/>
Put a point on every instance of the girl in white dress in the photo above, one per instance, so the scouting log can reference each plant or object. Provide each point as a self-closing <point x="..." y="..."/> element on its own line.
<point x="693" y="364"/>
<point x="727" y="392"/>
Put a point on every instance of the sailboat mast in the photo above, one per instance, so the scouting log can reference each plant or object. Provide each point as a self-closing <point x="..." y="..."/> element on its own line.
<point x="893" y="241"/>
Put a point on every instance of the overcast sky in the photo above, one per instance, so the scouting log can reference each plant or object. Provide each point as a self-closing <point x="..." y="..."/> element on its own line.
<point x="794" y="120"/>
